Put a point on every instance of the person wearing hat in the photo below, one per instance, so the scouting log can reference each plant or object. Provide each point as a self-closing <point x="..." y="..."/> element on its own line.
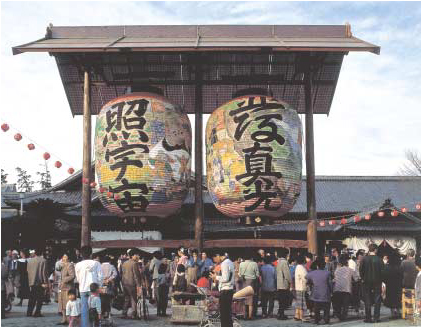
<point x="38" y="283"/>
<point x="132" y="283"/>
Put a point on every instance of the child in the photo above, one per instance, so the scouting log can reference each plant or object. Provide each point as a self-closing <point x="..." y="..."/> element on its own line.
<point x="180" y="282"/>
<point x="73" y="309"/>
<point x="163" y="288"/>
<point x="94" y="304"/>
<point x="203" y="281"/>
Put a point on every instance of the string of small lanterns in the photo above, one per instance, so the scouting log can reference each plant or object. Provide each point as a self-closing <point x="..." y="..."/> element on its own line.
<point x="18" y="136"/>
<point x="367" y="215"/>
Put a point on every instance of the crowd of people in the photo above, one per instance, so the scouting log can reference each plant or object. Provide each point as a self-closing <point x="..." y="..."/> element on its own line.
<point x="86" y="286"/>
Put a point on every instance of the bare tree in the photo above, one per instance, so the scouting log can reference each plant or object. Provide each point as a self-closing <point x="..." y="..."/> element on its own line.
<point x="3" y="177"/>
<point x="44" y="178"/>
<point x="412" y="166"/>
<point x="25" y="184"/>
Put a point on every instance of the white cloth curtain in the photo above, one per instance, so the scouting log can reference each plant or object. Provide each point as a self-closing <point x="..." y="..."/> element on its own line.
<point x="402" y="243"/>
<point x="117" y="235"/>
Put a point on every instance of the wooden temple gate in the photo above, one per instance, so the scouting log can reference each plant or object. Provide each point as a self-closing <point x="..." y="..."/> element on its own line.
<point x="204" y="65"/>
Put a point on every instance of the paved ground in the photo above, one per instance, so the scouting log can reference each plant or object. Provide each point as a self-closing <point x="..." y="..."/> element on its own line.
<point x="17" y="318"/>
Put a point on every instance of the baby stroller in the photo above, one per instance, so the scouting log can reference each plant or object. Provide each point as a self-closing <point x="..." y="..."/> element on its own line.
<point x="211" y="315"/>
<point x="142" y="306"/>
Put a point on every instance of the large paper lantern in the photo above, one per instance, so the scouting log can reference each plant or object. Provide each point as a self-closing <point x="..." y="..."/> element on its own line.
<point x="142" y="155"/>
<point x="253" y="155"/>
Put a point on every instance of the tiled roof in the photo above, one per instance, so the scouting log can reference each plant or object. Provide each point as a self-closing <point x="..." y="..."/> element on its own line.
<point x="334" y="194"/>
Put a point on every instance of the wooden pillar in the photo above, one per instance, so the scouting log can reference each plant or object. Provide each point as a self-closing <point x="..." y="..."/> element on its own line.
<point x="198" y="121"/>
<point x="310" y="170"/>
<point x="86" y="166"/>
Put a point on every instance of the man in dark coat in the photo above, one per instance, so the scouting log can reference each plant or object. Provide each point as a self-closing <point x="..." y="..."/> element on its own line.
<point x="321" y="282"/>
<point x="132" y="282"/>
<point x="409" y="270"/>
<point x="38" y="283"/>
<point x="371" y="269"/>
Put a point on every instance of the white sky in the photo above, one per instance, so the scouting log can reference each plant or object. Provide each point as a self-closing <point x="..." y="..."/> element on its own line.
<point x="375" y="115"/>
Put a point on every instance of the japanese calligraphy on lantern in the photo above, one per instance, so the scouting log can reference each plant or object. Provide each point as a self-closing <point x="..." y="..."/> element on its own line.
<point x="253" y="154"/>
<point x="142" y="155"/>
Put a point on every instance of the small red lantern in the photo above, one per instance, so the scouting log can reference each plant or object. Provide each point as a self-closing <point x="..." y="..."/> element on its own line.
<point x="143" y="220"/>
<point x="85" y="180"/>
<point x="101" y="189"/>
<point x="332" y="222"/>
<point x="57" y="164"/>
<point x="418" y="206"/>
<point x="116" y="197"/>
<point x="380" y="214"/>
<point x="18" y="137"/>
<point x="367" y="217"/>
<point x="31" y="146"/>
<point x="404" y="209"/>
<point x="70" y="170"/>
<point x="93" y="184"/>
<point x="357" y="218"/>
<point x="322" y="223"/>
<point x="46" y="156"/>
<point x="110" y="194"/>
<point x="394" y="213"/>
<point x="343" y="221"/>
<point x="4" y="127"/>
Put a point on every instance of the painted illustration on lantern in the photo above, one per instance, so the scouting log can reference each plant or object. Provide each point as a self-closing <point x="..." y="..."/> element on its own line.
<point x="254" y="157"/>
<point x="142" y="155"/>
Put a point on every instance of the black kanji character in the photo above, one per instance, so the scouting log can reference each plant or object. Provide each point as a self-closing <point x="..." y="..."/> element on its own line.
<point x="268" y="136"/>
<point x="258" y="161"/>
<point x="261" y="197"/>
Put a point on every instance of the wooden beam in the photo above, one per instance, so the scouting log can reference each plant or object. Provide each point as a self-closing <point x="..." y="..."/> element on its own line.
<point x="310" y="170"/>
<point x="198" y="159"/>
<point x="257" y="243"/>
<point x="208" y="244"/>
<point x="86" y="165"/>
<point x="143" y="243"/>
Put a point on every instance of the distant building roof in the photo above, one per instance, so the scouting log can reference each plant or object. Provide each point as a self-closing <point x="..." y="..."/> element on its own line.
<point x="334" y="194"/>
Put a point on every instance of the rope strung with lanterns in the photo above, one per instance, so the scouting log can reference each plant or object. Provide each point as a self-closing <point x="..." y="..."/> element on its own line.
<point x="31" y="146"/>
<point x="367" y="215"/>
